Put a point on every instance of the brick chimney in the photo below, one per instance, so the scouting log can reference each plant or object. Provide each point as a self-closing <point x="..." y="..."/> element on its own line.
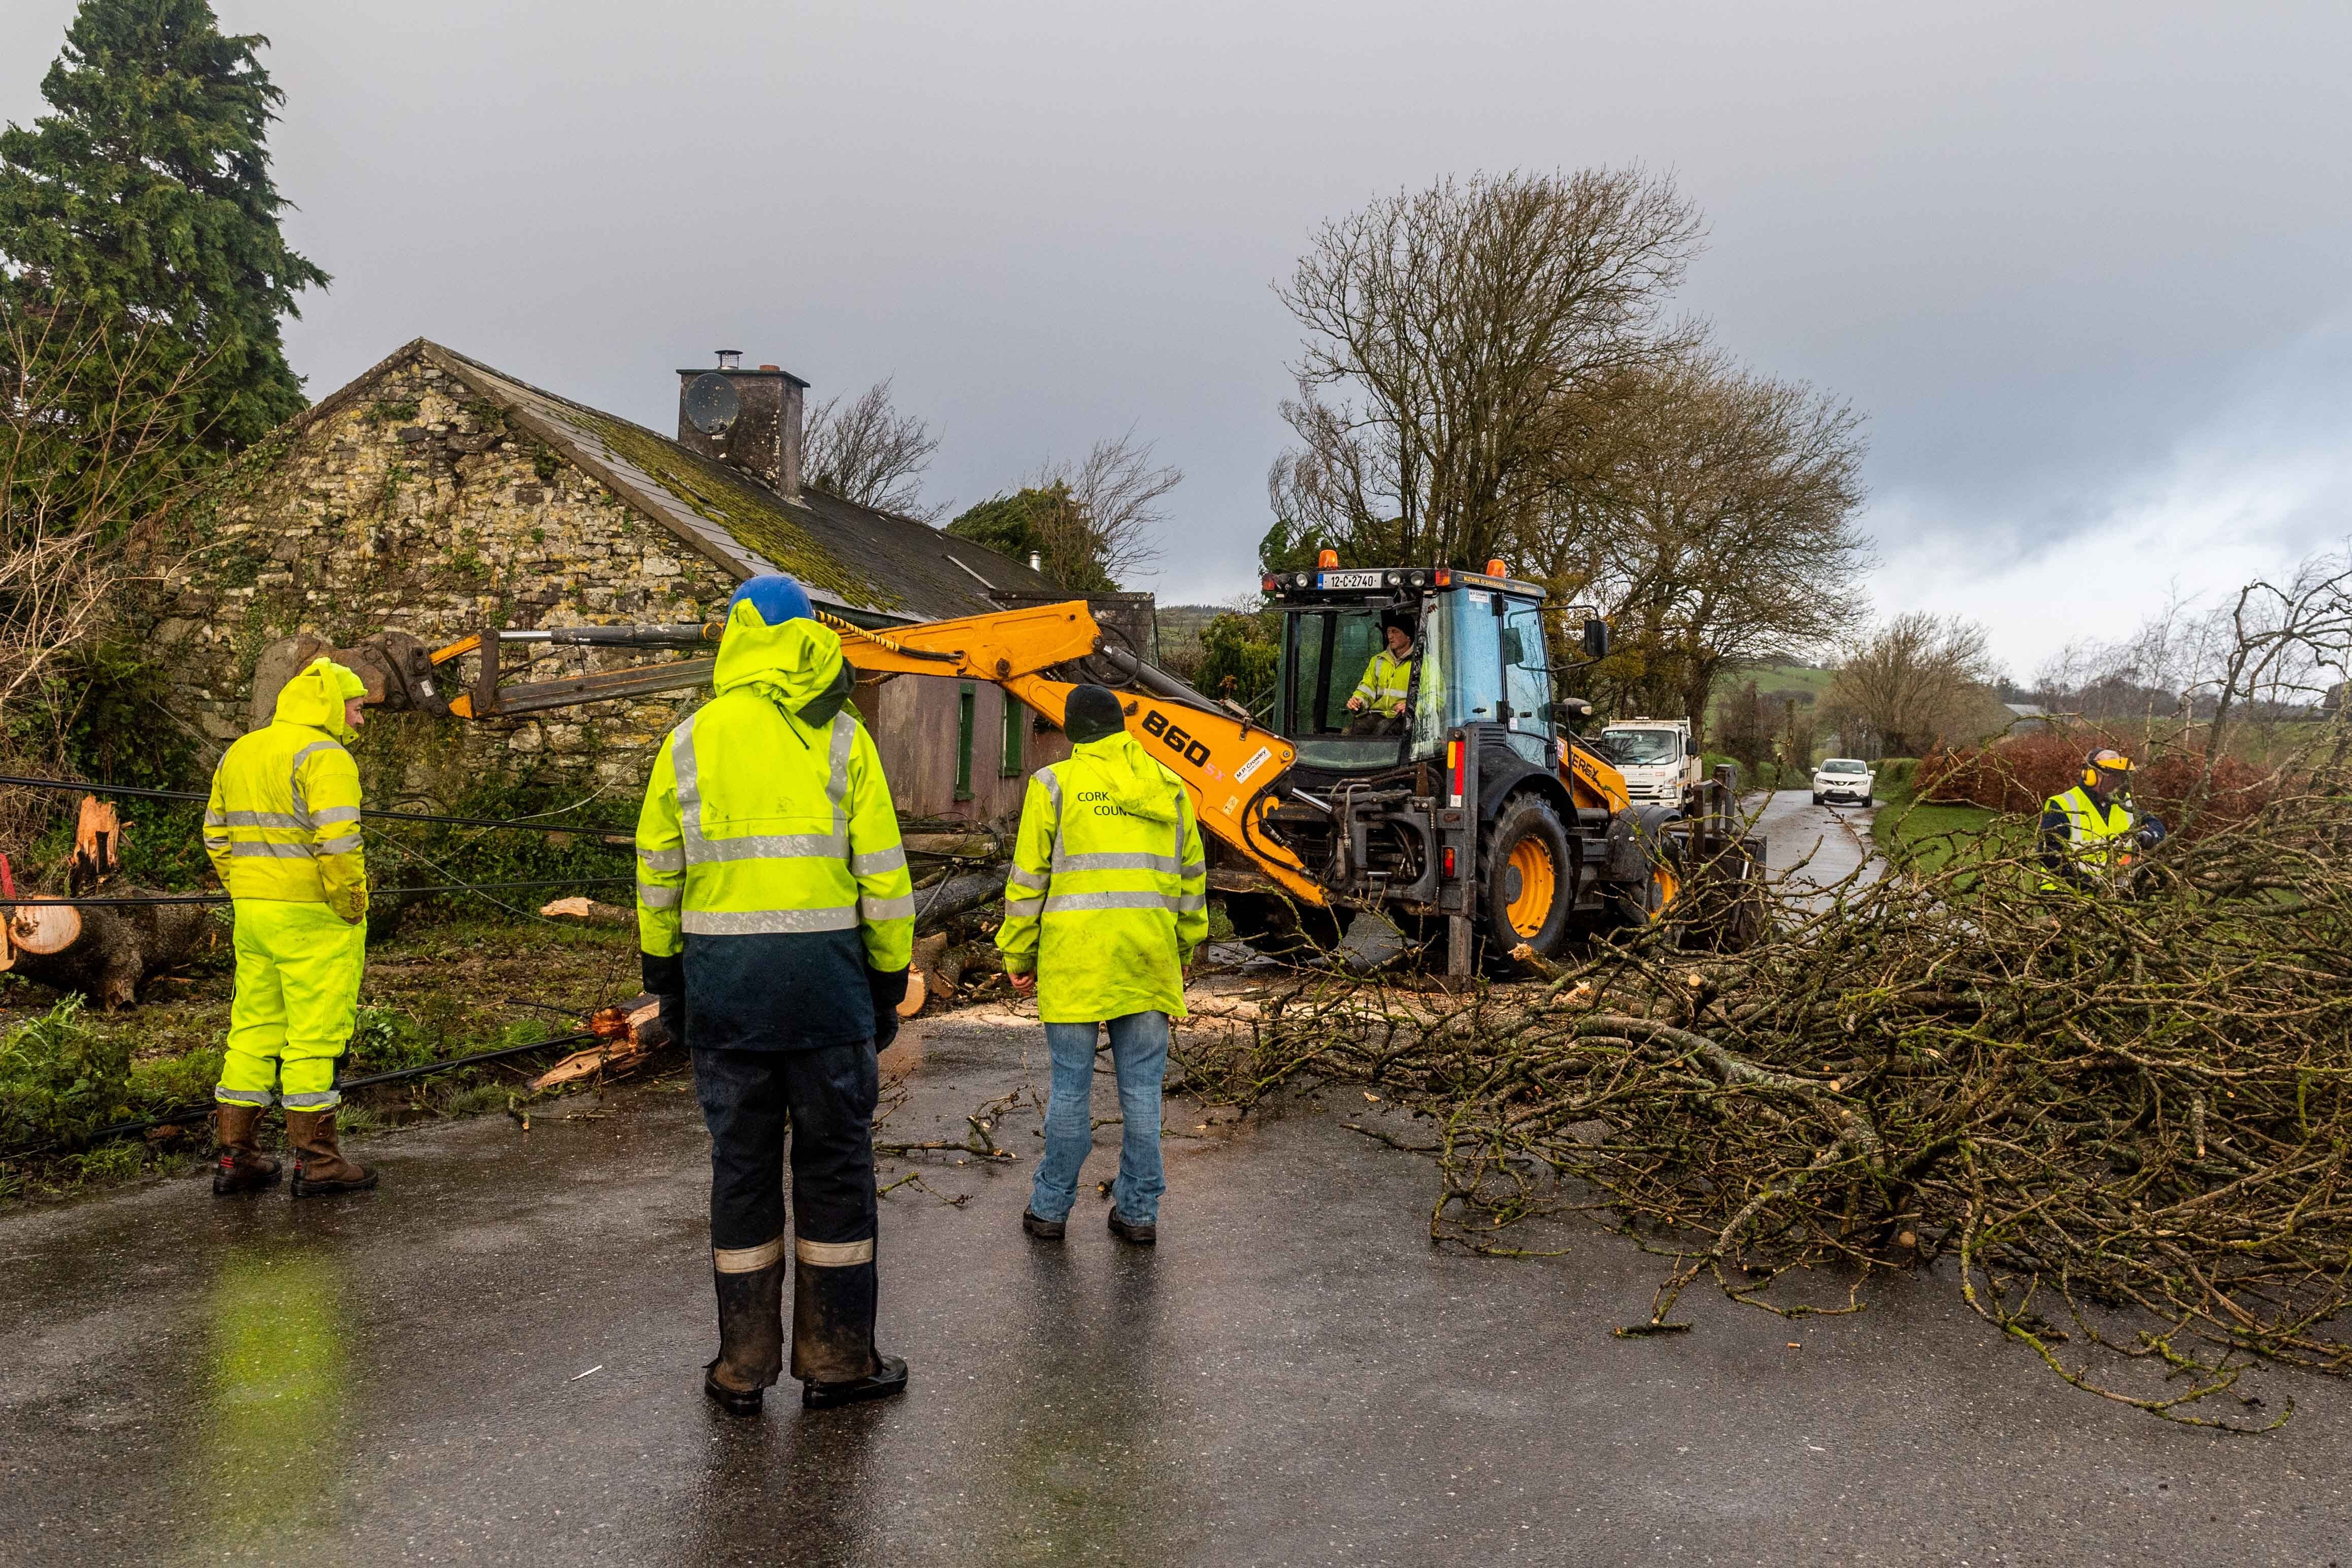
<point x="758" y="430"/>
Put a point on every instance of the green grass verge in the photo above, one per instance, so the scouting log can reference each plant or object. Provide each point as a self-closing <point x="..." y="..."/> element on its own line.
<point x="435" y="992"/>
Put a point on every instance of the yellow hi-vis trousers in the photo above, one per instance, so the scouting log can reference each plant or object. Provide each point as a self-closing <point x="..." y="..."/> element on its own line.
<point x="298" y="982"/>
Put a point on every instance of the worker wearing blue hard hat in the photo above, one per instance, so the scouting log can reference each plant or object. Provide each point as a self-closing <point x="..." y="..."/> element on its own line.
<point x="776" y="920"/>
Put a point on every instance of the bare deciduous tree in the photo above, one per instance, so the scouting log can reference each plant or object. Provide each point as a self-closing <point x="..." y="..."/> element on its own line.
<point x="1919" y="681"/>
<point x="1091" y="523"/>
<point x="869" y="453"/>
<point x="1710" y="515"/>
<point x="1117" y="490"/>
<point x="1449" y="332"/>
<point x="91" y="432"/>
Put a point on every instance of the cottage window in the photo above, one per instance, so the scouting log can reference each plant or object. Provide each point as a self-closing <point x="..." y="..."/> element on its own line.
<point x="965" y="703"/>
<point x="1011" y="763"/>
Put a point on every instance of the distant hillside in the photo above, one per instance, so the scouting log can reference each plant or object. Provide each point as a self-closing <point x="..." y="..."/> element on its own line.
<point x="1775" y="683"/>
<point x="1179" y="632"/>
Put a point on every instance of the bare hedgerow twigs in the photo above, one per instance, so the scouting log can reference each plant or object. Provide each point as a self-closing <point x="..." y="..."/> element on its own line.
<point x="2127" y="1118"/>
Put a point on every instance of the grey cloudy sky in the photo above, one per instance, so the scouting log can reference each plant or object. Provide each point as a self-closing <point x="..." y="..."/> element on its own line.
<point x="2083" y="266"/>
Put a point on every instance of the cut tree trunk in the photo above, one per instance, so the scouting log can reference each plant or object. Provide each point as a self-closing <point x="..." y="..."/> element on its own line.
<point x="107" y="954"/>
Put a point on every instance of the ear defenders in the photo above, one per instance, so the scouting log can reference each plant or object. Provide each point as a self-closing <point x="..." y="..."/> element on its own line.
<point x="2106" y="759"/>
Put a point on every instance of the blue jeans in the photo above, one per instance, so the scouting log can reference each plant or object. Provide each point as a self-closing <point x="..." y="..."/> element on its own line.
<point x="1139" y="1049"/>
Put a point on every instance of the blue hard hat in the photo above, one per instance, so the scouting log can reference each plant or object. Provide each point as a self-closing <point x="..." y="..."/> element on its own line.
<point x="776" y="597"/>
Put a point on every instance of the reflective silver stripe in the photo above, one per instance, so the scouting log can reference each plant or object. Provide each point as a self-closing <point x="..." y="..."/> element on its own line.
<point x="294" y="778"/>
<point x="214" y="817"/>
<point x="1191" y="903"/>
<point x="899" y="908"/>
<point x="1194" y="867"/>
<point x="1032" y="879"/>
<point x="748" y="1259"/>
<point x="652" y="896"/>
<point x="698" y="848"/>
<point x="689" y="788"/>
<point x="877" y="861"/>
<point x="348" y="844"/>
<point x="318" y="1101"/>
<point x="327" y="816"/>
<point x="775" y="847"/>
<point x="765" y="922"/>
<point x="1116" y="860"/>
<point x="271" y="852"/>
<point x="837" y="783"/>
<point x="1062" y="901"/>
<point x="835" y="1254"/>
<point x="1053" y="783"/>
<point x="1018" y="908"/>
<point x="662" y="860"/>
<point x="257" y="819"/>
<point x="243" y="1096"/>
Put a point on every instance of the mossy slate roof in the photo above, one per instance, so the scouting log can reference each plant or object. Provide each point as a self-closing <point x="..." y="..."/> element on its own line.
<point x="848" y="556"/>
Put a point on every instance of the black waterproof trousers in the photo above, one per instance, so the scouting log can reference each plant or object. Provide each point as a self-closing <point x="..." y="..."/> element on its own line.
<point x="823" y="1097"/>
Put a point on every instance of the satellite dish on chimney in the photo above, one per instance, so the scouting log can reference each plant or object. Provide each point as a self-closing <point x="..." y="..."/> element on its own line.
<point x="712" y="404"/>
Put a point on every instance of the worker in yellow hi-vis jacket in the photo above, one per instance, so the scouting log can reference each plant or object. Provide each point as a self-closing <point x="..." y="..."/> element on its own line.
<point x="775" y="920"/>
<point x="1107" y="898"/>
<point x="282" y="829"/>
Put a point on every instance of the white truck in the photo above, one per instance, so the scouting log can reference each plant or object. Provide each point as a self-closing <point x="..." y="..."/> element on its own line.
<point x="1657" y="756"/>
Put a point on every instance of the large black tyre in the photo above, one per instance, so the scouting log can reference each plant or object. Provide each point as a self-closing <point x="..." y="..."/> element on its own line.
<point x="1530" y="879"/>
<point x="1658" y="898"/>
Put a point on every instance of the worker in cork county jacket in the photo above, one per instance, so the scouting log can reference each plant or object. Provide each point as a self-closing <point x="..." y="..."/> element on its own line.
<point x="282" y="829"/>
<point x="1107" y="898"/>
<point x="776" y="921"/>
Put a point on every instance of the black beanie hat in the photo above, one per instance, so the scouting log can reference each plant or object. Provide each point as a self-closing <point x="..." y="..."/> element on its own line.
<point x="1093" y="712"/>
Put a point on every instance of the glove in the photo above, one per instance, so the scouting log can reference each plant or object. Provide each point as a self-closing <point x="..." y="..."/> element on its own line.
<point x="888" y="988"/>
<point x="665" y="978"/>
<point x="2152" y="833"/>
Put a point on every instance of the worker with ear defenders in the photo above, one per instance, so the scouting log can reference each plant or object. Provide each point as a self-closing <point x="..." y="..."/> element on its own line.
<point x="776" y="919"/>
<point x="2085" y="829"/>
<point x="282" y="829"/>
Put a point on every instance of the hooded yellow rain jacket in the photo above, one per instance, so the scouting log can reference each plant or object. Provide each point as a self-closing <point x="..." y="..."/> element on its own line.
<point x="282" y="829"/>
<point x="768" y="851"/>
<point x="1108" y="894"/>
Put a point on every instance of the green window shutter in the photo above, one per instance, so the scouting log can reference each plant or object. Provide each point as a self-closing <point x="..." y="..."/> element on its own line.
<point x="1011" y="757"/>
<point x="964" y="704"/>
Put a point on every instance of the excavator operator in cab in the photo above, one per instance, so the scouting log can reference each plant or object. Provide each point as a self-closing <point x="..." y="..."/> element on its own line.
<point x="1380" y="697"/>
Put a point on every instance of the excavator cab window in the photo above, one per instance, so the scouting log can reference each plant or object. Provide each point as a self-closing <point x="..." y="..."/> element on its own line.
<point x="1325" y="655"/>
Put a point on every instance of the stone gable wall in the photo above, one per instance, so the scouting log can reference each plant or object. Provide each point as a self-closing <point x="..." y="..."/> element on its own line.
<point x="415" y="506"/>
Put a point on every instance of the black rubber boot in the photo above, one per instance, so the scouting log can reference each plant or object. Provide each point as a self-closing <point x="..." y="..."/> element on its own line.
<point x="1130" y="1231"/>
<point x="1043" y="1229"/>
<point x="889" y="1378"/>
<point x="751" y="1338"/>
<point x="833" y="1337"/>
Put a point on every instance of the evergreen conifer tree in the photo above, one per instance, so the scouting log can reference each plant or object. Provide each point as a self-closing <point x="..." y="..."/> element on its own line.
<point x="143" y="207"/>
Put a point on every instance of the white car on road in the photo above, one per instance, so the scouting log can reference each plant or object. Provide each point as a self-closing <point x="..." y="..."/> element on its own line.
<point x="1843" y="779"/>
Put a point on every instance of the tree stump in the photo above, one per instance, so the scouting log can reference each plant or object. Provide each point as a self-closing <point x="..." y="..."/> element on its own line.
<point x="107" y="954"/>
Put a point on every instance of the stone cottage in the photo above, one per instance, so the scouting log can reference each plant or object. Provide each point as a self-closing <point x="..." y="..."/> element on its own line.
<point x="436" y="497"/>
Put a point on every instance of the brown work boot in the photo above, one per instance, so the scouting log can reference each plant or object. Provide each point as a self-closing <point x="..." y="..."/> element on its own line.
<point x="243" y="1166"/>
<point x="319" y="1168"/>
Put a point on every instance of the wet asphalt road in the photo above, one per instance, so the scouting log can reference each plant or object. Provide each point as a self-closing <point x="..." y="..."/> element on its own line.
<point x="496" y="1359"/>
<point x="1813" y="846"/>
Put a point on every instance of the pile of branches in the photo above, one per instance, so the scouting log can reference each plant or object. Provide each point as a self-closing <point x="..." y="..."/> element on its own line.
<point x="2123" y="1118"/>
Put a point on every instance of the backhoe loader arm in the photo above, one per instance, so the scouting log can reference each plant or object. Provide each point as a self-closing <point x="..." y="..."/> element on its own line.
<point x="1225" y="762"/>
